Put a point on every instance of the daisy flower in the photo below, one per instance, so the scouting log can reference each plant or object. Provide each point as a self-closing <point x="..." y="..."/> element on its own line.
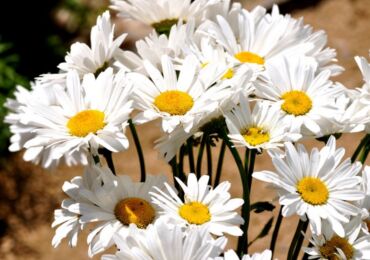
<point x="231" y="255"/>
<point x="202" y="206"/>
<point x="104" y="52"/>
<point x="177" y="100"/>
<point x="84" y="117"/>
<point x="162" y="14"/>
<point x="353" y="245"/>
<point x="318" y="186"/>
<point x="364" y="67"/>
<point x="365" y="203"/>
<point x="261" y="129"/>
<point x="304" y="96"/>
<point x="113" y="203"/>
<point x="253" y="39"/>
<point x="165" y="242"/>
<point x="67" y="219"/>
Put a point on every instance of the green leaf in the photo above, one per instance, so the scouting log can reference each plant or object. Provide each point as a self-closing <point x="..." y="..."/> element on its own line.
<point x="264" y="232"/>
<point x="261" y="206"/>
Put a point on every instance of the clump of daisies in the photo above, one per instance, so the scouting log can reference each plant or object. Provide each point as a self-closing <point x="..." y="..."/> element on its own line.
<point x="212" y="74"/>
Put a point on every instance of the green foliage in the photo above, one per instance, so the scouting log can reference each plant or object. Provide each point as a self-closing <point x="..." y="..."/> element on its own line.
<point x="9" y="78"/>
<point x="262" y="206"/>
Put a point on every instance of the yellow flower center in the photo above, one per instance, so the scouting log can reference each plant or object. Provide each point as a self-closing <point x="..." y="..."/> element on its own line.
<point x="134" y="211"/>
<point x="195" y="213"/>
<point x="329" y="249"/>
<point x="296" y="103"/>
<point x="256" y="136"/>
<point x="249" y="57"/>
<point x="229" y="74"/>
<point x="203" y="65"/>
<point x="86" y="122"/>
<point x="174" y="102"/>
<point x="313" y="191"/>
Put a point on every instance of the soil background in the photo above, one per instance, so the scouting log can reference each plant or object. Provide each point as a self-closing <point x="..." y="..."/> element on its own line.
<point x="29" y="194"/>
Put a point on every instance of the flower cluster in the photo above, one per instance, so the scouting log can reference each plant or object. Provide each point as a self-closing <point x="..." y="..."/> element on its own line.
<point x="209" y="71"/>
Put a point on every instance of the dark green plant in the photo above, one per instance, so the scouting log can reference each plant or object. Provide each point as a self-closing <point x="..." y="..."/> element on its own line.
<point x="9" y="78"/>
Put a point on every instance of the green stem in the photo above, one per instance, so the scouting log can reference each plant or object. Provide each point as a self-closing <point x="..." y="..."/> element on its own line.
<point x="363" y="142"/>
<point x="191" y="154"/>
<point x="108" y="158"/>
<point x="200" y="156"/>
<point x="297" y="240"/>
<point x="173" y="164"/>
<point x="276" y="232"/>
<point x="209" y="162"/>
<point x="220" y="163"/>
<point x="181" y="163"/>
<point x="139" y="150"/>
<point x="252" y="160"/>
<point x="243" y="240"/>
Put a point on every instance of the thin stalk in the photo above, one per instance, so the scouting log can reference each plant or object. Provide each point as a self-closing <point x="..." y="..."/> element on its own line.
<point x="139" y="150"/>
<point x="365" y="153"/>
<point x="108" y="158"/>
<point x="243" y="240"/>
<point x="252" y="160"/>
<point x="200" y="156"/>
<point x="181" y="163"/>
<point x="300" y="241"/>
<point x="175" y="173"/>
<point x="209" y="162"/>
<point x="191" y="154"/>
<point x="246" y="160"/>
<point x="297" y="240"/>
<point x="363" y="142"/>
<point x="276" y="232"/>
<point x="219" y="163"/>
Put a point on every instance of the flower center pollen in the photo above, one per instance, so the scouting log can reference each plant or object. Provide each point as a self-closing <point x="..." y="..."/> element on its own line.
<point x="164" y="26"/>
<point x="256" y="136"/>
<point x="249" y="57"/>
<point x="86" y="122"/>
<point x="229" y="74"/>
<point x="313" y="191"/>
<point x="195" y="213"/>
<point x="174" y="102"/>
<point x="330" y="249"/>
<point x="296" y="103"/>
<point x="134" y="211"/>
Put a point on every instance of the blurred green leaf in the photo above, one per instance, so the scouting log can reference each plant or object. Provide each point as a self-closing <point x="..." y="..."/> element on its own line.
<point x="261" y="206"/>
<point x="264" y="232"/>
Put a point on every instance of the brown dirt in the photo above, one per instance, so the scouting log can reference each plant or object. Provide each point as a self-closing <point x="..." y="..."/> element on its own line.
<point x="29" y="195"/>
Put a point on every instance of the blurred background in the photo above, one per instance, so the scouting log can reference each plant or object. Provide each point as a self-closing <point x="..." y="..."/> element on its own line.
<point x="34" y="38"/>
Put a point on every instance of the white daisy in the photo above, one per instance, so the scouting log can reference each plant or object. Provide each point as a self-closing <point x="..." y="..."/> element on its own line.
<point x="363" y="93"/>
<point x="114" y="202"/>
<point x="162" y="14"/>
<point x="365" y="203"/>
<point x="304" y="96"/>
<point x="254" y="39"/>
<point x="261" y="129"/>
<point x="231" y="255"/>
<point x="165" y="242"/>
<point x="84" y="117"/>
<point x="354" y="245"/>
<point x="317" y="186"/>
<point x="202" y="206"/>
<point x="104" y="52"/>
<point x="67" y="219"/>
<point x="177" y="100"/>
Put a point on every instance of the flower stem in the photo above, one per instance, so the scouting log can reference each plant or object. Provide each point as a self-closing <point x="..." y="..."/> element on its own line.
<point x="191" y="154"/>
<point x="209" y="162"/>
<point x="276" y="232"/>
<point x="297" y="240"/>
<point x="181" y="163"/>
<point x="200" y="156"/>
<point x="108" y="158"/>
<point x="243" y="240"/>
<point x="252" y="160"/>
<point x="139" y="150"/>
<point x="219" y="163"/>
<point x="362" y="144"/>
